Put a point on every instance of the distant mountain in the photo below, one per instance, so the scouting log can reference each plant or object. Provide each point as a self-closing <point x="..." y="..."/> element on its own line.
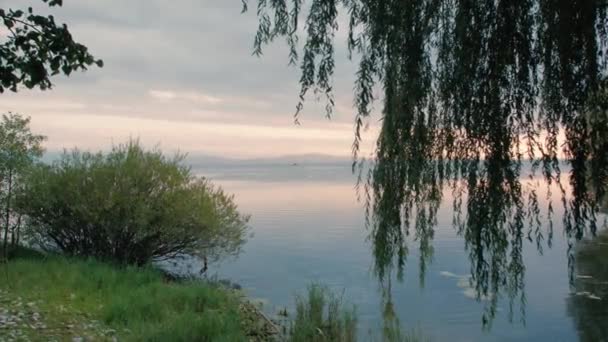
<point x="197" y="160"/>
<point x="305" y="159"/>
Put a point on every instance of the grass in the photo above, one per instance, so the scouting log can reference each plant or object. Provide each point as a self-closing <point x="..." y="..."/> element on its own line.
<point x="61" y="298"/>
<point x="321" y="316"/>
<point x="45" y="298"/>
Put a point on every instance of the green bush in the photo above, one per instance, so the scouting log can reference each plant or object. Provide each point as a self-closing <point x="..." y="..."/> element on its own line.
<point x="129" y="206"/>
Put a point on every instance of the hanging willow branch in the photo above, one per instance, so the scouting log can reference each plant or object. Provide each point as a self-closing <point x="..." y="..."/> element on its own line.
<point x="490" y="74"/>
<point x="471" y="90"/>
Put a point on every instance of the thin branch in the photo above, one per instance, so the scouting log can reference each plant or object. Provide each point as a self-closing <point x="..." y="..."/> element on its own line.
<point x="25" y="23"/>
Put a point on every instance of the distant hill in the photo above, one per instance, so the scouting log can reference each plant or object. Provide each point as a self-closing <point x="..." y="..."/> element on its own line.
<point x="199" y="160"/>
<point x="293" y="160"/>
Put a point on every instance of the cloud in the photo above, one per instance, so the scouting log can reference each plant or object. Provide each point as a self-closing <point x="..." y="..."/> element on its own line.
<point x="233" y="140"/>
<point x="167" y="95"/>
<point x="183" y="63"/>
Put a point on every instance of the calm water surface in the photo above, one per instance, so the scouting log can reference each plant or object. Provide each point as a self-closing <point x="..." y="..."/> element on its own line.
<point x="308" y="227"/>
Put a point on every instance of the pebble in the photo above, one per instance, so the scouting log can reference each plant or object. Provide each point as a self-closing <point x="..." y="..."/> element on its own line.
<point x="21" y="320"/>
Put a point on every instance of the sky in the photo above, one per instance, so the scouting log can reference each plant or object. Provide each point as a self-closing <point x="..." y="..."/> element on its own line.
<point x="180" y="75"/>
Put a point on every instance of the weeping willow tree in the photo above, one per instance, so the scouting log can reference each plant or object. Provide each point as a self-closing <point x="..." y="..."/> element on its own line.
<point x="471" y="90"/>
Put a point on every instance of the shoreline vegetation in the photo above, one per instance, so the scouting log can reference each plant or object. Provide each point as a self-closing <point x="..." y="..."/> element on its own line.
<point x="52" y="297"/>
<point x="100" y="223"/>
<point x="56" y="297"/>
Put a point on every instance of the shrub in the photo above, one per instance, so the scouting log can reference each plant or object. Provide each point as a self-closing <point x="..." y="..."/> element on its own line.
<point x="129" y="206"/>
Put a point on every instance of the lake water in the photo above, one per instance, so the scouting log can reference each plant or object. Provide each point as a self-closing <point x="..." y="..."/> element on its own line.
<point x="308" y="226"/>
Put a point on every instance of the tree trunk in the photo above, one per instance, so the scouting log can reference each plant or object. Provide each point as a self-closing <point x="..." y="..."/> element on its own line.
<point x="15" y="233"/>
<point x="8" y="212"/>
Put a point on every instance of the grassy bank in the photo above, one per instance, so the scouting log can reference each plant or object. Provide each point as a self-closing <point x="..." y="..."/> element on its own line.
<point x="56" y="298"/>
<point x="46" y="298"/>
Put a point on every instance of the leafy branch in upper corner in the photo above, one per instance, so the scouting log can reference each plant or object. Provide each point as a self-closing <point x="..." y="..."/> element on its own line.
<point x="35" y="47"/>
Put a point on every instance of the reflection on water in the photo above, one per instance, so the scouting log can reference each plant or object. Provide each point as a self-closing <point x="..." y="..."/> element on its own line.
<point x="588" y="303"/>
<point x="496" y="210"/>
<point x="465" y="258"/>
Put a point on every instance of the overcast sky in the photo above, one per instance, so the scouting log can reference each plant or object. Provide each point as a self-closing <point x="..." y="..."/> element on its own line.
<point x="180" y="73"/>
